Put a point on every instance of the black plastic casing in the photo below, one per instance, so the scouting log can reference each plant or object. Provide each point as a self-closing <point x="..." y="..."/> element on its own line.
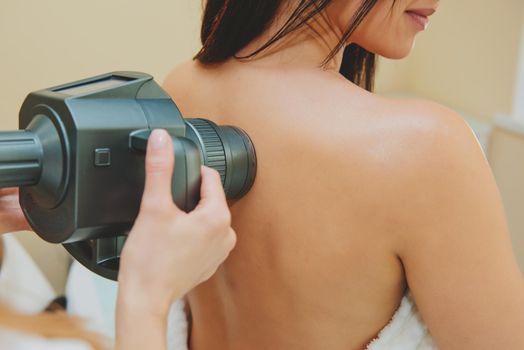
<point x="96" y="200"/>
<point x="80" y="154"/>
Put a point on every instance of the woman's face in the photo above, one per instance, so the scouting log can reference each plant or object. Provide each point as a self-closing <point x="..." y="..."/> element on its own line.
<point x="389" y="29"/>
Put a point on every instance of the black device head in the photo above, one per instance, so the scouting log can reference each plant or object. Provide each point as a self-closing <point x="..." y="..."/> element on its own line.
<point x="79" y="160"/>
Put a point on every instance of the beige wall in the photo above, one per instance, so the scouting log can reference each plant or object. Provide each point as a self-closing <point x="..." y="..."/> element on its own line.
<point x="466" y="59"/>
<point x="506" y="157"/>
<point x="45" y="43"/>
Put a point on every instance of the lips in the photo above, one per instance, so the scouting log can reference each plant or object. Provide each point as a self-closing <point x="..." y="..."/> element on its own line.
<point x="422" y="12"/>
<point x="420" y="16"/>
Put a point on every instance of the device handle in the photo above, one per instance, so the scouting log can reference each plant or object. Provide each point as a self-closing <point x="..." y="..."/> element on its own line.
<point x="186" y="174"/>
<point x="20" y="158"/>
<point x="102" y="255"/>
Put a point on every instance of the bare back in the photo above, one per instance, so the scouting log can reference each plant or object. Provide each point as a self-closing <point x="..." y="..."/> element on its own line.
<point x="313" y="267"/>
<point x="356" y="197"/>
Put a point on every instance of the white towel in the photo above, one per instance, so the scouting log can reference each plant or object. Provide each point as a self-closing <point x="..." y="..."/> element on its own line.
<point x="23" y="286"/>
<point x="177" y="327"/>
<point x="405" y="331"/>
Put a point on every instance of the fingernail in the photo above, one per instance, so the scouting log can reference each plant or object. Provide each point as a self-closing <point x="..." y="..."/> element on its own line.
<point x="158" y="138"/>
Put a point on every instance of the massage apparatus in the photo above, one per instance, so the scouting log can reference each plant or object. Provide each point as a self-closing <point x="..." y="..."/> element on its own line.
<point x="78" y="160"/>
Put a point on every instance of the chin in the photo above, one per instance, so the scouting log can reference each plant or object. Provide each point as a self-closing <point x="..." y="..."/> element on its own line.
<point x="396" y="52"/>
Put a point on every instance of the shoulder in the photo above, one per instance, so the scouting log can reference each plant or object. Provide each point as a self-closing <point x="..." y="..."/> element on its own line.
<point x="425" y="134"/>
<point x="437" y="185"/>
<point x="325" y="105"/>
<point x="434" y="146"/>
<point x="406" y="136"/>
<point x="413" y="157"/>
<point x="177" y="79"/>
<point x="425" y="148"/>
<point x="403" y="138"/>
<point x="396" y="136"/>
<point x="178" y="73"/>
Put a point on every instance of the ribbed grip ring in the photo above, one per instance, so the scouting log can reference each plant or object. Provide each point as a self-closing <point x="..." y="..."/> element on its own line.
<point x="213" y="148"/>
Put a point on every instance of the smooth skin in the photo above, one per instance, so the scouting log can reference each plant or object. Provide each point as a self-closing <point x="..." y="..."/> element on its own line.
<point x="357" y="198"/>
<point x="168" y="251"/>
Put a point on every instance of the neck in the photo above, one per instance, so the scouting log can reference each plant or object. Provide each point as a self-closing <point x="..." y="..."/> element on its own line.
<point x="305" y="48"/>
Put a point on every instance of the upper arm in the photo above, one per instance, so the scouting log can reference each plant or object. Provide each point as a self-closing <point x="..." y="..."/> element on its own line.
<point x="454" y="242"/>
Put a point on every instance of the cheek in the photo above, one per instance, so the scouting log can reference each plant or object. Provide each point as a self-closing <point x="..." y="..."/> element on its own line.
<point x="341" y="12"/>
<point x="386" y="33"/>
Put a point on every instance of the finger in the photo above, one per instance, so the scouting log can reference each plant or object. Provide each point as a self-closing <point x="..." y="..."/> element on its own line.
<point x="8" y="190"/>
<point x="230" y="241"/>
<point x="160" y="160"/>
<point x="212" y="193"/>
<point x="9" y="199"/>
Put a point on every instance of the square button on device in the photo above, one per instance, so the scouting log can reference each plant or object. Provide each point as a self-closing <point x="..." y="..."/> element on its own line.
<point x="102" y="157"/>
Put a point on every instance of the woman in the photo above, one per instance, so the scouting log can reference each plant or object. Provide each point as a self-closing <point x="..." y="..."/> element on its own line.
<point x="360" y="200"/>
<point x="149" y="279"/>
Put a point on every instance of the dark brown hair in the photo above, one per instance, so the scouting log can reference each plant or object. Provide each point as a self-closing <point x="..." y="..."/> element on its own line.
<point x="229" y="25"/>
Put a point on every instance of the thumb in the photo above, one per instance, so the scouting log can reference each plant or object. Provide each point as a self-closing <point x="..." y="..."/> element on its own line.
<point x="160" y="161"/>
<point x="212" y="195"/>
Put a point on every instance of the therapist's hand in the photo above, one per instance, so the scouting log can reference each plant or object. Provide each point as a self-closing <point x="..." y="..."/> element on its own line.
<point x="168" y="251"/>
<point x="11" y="217"/>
